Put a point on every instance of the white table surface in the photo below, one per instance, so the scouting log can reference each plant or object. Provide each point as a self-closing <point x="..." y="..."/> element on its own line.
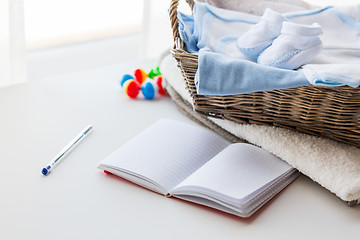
<point x="79" y="201"/>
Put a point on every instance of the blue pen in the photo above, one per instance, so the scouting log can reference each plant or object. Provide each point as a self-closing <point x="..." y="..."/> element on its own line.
<point x="66" y="150"/>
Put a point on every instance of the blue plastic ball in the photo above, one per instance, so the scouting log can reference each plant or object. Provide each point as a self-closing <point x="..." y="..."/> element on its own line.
<point x="149" y="89"/>
<point x="125" y="78"/>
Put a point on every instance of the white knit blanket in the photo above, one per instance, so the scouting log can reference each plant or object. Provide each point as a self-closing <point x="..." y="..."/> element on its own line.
<point x="333" y="165"/>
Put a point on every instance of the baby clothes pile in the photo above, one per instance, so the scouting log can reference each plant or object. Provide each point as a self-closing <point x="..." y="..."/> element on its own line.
<point x="236" y="50"/>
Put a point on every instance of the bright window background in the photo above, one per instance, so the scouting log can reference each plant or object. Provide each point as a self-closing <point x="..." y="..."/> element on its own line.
<point x="56" y="22"/>
<point x="63" y="36"/>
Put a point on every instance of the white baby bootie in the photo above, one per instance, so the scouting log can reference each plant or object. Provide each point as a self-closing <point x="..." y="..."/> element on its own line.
<point x="297" y="45"/>
<point x="261" y="35"/>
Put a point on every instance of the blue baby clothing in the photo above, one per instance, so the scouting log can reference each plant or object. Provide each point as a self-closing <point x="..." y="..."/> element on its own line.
<point x="216" y="31"/>
<point x="241" y="76"/>
<point x="187" y="32"/>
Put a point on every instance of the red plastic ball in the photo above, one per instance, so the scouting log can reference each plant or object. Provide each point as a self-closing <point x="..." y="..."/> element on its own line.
<point x="140" y="75"/>
<point x="158" y="80"/>
<point x="131" y="88"/>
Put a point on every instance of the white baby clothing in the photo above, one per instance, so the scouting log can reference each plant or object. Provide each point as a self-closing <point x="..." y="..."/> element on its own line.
<point x="258" y="7"/>
<point x="297" y="45"/>
<point x="261" y="35"/>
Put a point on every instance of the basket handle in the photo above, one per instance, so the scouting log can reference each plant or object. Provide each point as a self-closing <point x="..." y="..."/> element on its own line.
<point x="174" y="20"/>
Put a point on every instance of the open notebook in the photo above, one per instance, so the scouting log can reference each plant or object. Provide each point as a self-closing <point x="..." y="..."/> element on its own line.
<point x="192" y="163"/>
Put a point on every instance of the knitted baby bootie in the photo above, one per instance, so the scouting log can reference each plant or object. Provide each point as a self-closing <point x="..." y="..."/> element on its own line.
<point x="297" y="45"/>
<point x="261" y="35"/>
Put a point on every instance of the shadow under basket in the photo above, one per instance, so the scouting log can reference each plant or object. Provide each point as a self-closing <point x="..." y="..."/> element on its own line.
<point x="330" y="112"/>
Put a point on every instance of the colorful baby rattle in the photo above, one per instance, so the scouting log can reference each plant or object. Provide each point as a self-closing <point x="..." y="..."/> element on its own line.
<point x="150" y="84"/>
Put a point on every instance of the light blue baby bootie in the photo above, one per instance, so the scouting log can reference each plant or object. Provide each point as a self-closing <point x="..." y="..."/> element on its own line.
<point x="297" y="45"/>
<point x="261" y="35"/>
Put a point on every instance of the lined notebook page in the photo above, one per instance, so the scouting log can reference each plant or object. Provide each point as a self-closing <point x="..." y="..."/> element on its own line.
<point x="167" y="152"/>
<point x="236" y="172"/>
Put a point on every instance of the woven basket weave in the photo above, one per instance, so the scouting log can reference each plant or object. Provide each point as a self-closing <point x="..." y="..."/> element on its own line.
<point x="331" y="112"/>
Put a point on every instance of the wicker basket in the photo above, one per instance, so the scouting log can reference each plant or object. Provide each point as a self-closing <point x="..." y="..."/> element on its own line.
<point x="331" y="112"/>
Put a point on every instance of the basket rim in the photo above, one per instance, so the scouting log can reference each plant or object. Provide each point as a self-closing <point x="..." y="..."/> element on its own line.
<point x="173" y="11"/>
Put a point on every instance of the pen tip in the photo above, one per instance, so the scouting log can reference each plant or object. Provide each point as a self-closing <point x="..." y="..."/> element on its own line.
<point x="88" y="129"/>
<point x="44" y="171"/>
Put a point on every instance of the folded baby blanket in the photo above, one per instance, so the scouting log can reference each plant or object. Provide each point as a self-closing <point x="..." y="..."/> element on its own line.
<point x="213" y="32"/>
